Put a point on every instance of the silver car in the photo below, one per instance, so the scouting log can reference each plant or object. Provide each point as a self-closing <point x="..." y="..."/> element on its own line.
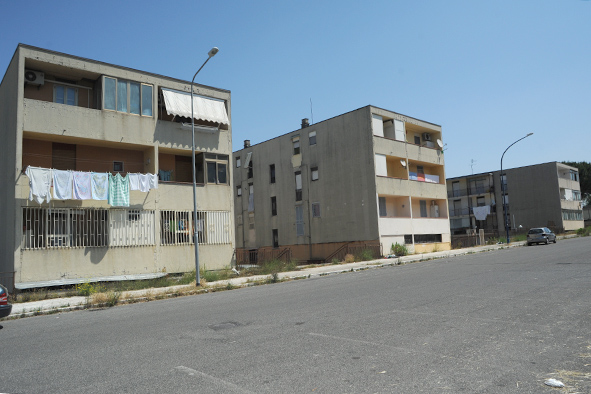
<point x="540" y="235"/>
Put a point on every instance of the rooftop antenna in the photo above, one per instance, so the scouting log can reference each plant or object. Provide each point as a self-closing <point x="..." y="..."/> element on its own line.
<point x="311" y="113"/>
<point x="472" y="162"/>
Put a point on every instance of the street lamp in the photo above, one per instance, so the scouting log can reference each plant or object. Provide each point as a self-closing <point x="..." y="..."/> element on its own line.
<point x="503" y="186"/>
<point x="210" y="54"/>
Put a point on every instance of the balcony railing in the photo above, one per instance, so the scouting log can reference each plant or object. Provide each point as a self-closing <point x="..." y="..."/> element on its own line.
<point x="413" y="176"/>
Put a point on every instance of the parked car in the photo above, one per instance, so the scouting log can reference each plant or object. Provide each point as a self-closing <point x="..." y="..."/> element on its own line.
<point x="540" y="235"/>
<point x="5" y="307"/>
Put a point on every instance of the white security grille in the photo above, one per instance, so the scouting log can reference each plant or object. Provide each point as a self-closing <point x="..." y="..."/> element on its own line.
<point x="176" y="227"/>
<point x="86" y="227"/>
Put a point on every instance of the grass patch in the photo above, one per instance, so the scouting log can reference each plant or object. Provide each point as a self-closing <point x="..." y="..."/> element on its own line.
<point x="364" y="255"/>
<point x="584" y="232"/>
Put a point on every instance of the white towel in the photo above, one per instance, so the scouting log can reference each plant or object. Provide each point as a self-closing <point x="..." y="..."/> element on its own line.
<point x="82" y="187"/>
<point x="100" y="185"/>
<point x="153" y="180"/>
<point x="145" y="182"/>
<point x="39" y="183"/>
<point x="62" y="184"/>
<point x="480" y="213"/>
<point x="134" y="181"/>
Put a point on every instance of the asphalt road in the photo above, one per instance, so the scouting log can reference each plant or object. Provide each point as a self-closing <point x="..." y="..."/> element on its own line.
<point x="495" y="322"/>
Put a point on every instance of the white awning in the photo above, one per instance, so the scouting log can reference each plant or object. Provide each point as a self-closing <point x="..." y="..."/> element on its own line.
<point x="179" y="103"/>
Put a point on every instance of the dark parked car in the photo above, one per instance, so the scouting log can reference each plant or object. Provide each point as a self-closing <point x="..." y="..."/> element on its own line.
<point x="540" y="235"/>
<point x="5" y="307"/>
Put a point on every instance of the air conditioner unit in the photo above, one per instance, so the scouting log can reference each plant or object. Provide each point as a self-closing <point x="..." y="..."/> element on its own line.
<point x="34" y="77"/>
<point x="426" y="137"/>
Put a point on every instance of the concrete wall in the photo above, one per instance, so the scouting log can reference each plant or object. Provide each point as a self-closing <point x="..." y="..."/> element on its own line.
<point x="345" y="188"/>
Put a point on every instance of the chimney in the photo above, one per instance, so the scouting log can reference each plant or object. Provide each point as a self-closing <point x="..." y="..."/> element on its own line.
<point x="305" y="123"/>
<point x="246" y="143"/>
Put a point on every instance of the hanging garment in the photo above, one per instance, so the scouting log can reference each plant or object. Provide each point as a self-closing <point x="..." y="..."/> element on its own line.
<point x="100" y="185"/>
<point x="153" y="181"/>
<point x="144" y="182"/>
<point x="165" y="175"/>
<point x="39" y="183"/>
<point x="62" y="184"/>
<point x="480" y="213"/>
<point x="134" y="181"/>
<point x="118" y="190"/>
<point x="82" y="190"/>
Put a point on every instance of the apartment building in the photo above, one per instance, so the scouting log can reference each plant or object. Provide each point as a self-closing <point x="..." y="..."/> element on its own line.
<point x="369" y="176"/>
<point x="65" y="114"/>
<point x="541" y="195"/>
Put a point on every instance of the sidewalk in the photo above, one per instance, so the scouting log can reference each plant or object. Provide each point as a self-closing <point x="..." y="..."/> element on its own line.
<point x="57" y="305"/>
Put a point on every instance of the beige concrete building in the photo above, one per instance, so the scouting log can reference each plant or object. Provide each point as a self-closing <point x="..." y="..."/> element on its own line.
<point x="541" y="195"/>
<point x="64" y="112"/>
<point x="369" y="176"/>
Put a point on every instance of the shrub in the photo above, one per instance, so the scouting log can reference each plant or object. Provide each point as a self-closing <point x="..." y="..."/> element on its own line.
<point x="87" y="289"/>
<point x="584" y="232"/>
<point x="364" y="255"/>
<point x="399" y="250"/>
<point x="349" y="258"/>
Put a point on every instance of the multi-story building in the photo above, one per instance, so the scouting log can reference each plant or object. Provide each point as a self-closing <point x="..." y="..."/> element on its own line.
<point x="367" y="176"/>
<point x="539" y="195"/>
<point x="63" y="112"/>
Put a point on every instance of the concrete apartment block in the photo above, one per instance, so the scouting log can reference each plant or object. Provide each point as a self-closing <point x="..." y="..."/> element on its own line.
<point x="369" y="176"/>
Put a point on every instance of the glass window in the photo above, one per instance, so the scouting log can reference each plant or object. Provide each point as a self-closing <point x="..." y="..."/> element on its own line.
<point x="382" y="206"/>
<point x="314" y="173"/>
<point x="316" y="209"/>
<point x="275" y="238"/>
<point x="211" y="172"/>
<point x="272" y="172"/>
<point x="312" y="137"/>
<point x="238" y="191"/>
<point x="134" y="98"/>
<point x="147" y="100"/>
<point x="122" y="96"/>
<point x="110" y="93"/>
<point x="222" y="173"/>
<point x="65" y="95"/>
<point x="274" y="206"/>
<point x="299" y="220"/>
<point x="238" y="162"/>
<point x="423" y="204"/>
<point x="59" y="95"/>
<point x="296" y="146"/>
<point x="71" y="98"/>
<point x="117" y="166"/>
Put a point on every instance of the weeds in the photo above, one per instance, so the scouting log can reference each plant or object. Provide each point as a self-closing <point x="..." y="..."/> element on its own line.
<point x="399" y="250"/>
<point x="584" y="232"/>
<point x="364" y="255"/>
<point x="349" y="258"/>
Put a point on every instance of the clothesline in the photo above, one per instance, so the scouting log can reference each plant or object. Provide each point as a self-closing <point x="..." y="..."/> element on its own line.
<point x="80" y="185"/>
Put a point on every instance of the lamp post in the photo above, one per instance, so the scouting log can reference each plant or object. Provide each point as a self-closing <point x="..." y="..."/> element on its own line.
<point x="503" y="187"/>
<point x="210" y="54"/>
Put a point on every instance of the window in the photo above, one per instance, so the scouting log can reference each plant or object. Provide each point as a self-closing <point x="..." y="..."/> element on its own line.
<point x="296" y="145"/>
<point x="272" y="172"/>
<point x="127" y="96"/>
<point x="315" y="209"/>
<point x="238" y="191"/>
<point x="408" y="239"/>
<point x="480" y="202"/>
<point x="178" y="227"/>
<point x="216" y="168"/>
<point x="570" y="214"/>
<point x="423" y="204"/>
<point x="417" y="140"/>
<point x="382" y="206"/>
<point x="299" y="220"/>
<point x="275" y="238"/>
<point x="117" y="166"/>
<point x="65" y="95"/>
<point x="574" y="175"/>
<point x="312" y="137"/>
<point x="298" y="180"/>
<point x="63" y="156"/>
<point x="427" y="238"/>
<point x="314" y="171"/>
<point x="420" y="170"/>
<point x="250" y="197"/>
<point x="274" y="206"/>
<point x="250" y="171"/>
<point x="238" y="162"/>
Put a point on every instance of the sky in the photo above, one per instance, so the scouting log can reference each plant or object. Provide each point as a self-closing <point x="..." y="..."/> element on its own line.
<point x="489" y="72"/>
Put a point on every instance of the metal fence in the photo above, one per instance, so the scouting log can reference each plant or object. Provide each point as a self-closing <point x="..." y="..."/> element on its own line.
<point x="257" y="256"/>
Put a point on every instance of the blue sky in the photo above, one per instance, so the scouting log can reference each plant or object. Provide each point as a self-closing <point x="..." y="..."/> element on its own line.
<point x="487" y="72"/>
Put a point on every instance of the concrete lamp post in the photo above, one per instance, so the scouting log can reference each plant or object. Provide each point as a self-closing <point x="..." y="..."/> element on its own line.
<point x="503" y="187"/>
<point x="210" y="54"/>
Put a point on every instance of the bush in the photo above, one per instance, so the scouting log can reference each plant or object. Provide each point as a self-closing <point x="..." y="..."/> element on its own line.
<point x="584" y="232"/>
<point x="349" y="258"/>
<point x="399" y="250"/>
<point x="364" y="255"/>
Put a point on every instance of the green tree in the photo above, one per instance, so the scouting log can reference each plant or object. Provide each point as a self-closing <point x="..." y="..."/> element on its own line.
<point x="584" y="177"/>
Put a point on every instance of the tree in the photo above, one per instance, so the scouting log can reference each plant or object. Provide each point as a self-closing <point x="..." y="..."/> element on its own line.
<point x="584" y="178"/>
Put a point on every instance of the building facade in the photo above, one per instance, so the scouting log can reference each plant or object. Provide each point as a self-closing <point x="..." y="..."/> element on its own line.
<point x="367" y="176"/>
<point x="62" y="112"/>
<point x="542" y="195"/>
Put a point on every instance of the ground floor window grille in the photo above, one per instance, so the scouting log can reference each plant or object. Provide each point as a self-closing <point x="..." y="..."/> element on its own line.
<point x="427" y="238"/>
<point x="86" y="227"/>
<point x="569" y="214"/>
<point x="177" y="227"/>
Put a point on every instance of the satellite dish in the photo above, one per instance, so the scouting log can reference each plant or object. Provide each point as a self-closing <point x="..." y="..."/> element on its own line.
<point x="403" y="162"/>
<point x="440" y="143"/>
